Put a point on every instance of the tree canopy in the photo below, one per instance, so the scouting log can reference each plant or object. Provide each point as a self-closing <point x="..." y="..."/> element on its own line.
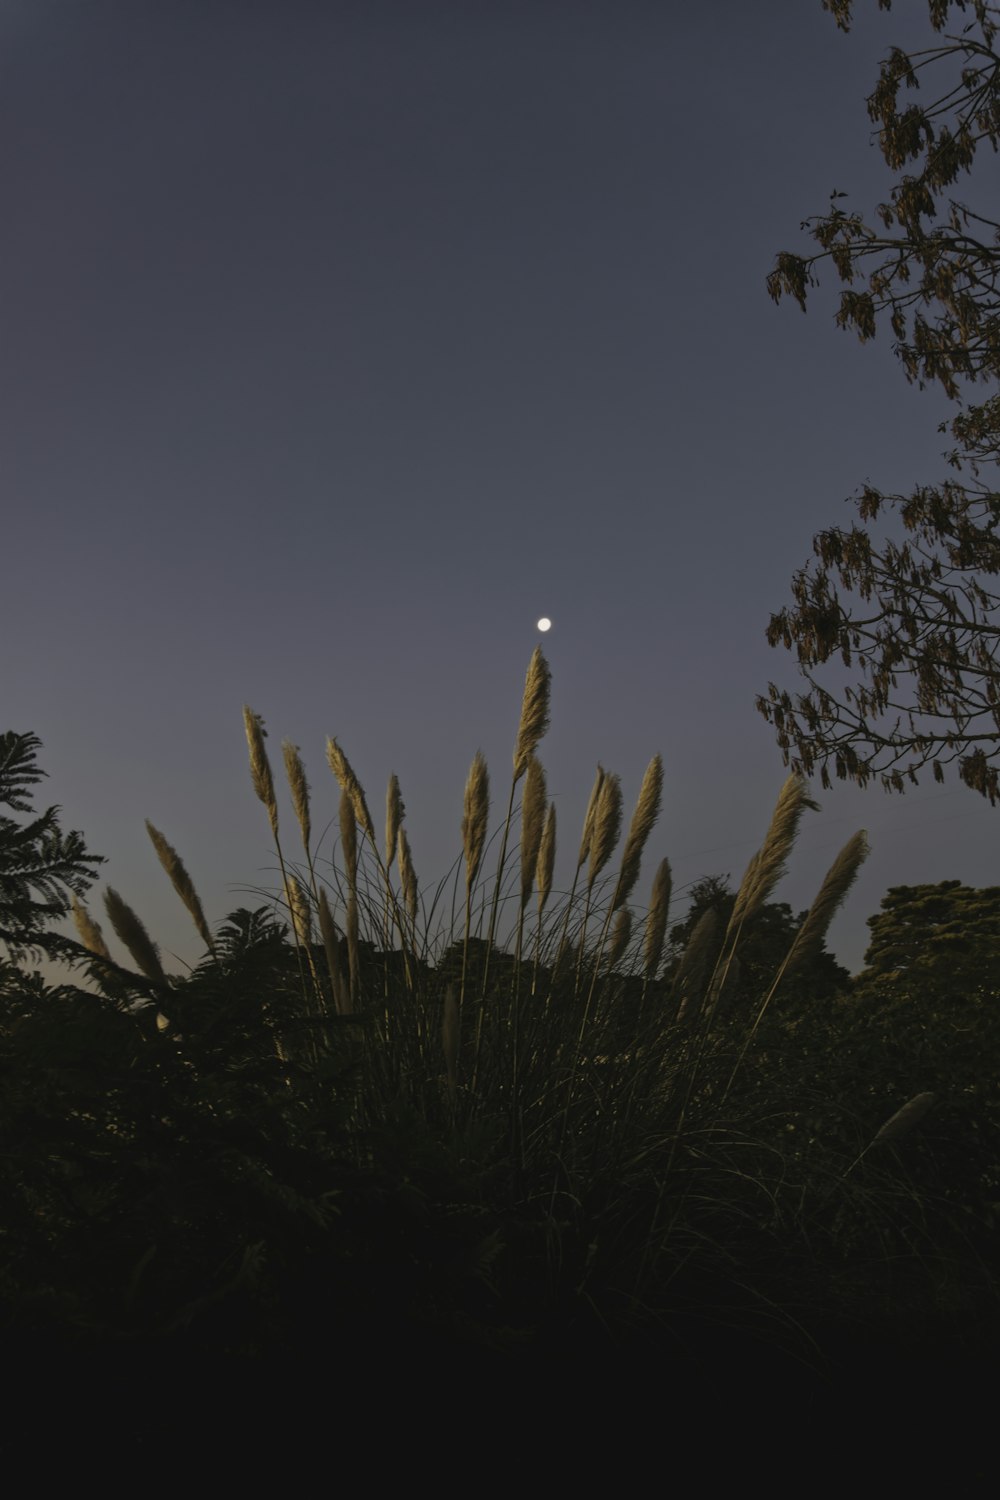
<point x="938" y="937"/>
<point x="917" y="617"/>
<point x="40" y="865"/>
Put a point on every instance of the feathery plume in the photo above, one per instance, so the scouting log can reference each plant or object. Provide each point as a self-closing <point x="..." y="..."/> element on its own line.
<point x="181" y="882"/>
<point x="837" y="882"/>
<point x="349" y="838"/>
<point x="607" y="826"/>
<point x="299" y="910"/>
<point x="546" y="858"/>
<point x="90" y="932"/>
<point x="260" y="766"/>
<point x="904" y="1119"/>
<point x="534" y="711"/>
<point x="590" y="815"/>
<point x="768" y="864"/>
<point x="533" y="805"/>
<point x="299" y="786"/>
<point x="475" y="817"/>
<point x="647" y="810"/>
<point x="620" y="934"/>
<point x="696" y="961"/>
<point x="656" y="921"/>
<point x="134" y="935"/>
<point x="407" y="875"/>
<point x="395" y="811"/>
<point x="349" y="783"/>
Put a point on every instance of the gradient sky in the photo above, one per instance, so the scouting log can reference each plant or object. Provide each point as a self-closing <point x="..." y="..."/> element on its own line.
<point x="340" y="341"/>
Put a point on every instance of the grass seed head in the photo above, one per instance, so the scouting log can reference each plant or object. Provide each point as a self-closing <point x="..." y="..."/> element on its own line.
<point x="607" y="826"/>
<point x="299" y="911"/>
<point x="904" y="1119"/>
<point x="260" y="766"/>
<point x="89" y="931"/>
<point x="836" y="884"/>
<point x="533" y="806"/>
<point x="349" y="783"/>
<point x="349" y="838"/>
<point x="546" y="858"/>
<point x="134" y="935"/>
<point x="181" y="882"/>
<point x="768" y="864"/>
<point x="647" y="811"/>
<point x="534" y="711"/>
<point x="620" y="934"/>
<point x="299" y="786"/>
<point x="475" y="818"/>
<point x="407" y="876"/>
<point x="589" y="817"/>
<point x="656" y="921"/>
<point x="395" y="812"/>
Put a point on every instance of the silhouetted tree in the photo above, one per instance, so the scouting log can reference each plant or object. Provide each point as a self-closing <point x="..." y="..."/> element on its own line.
<point x="917" y="617"/>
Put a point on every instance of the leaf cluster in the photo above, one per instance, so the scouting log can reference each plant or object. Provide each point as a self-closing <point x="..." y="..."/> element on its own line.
<point x="918" y="618"/>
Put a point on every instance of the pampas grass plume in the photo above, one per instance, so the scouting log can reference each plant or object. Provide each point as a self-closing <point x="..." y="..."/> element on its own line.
<point x="475" y="817"/>
<point x="181" y="882"/>
<point x="647" y="811"/>
<point x="395" y="811"/>
<point x="533" y="806"/>
<point x="534" y="711"/>
<point x="656" y="921"/>
<point x="836" y="884"/>
<point x="299" y="786"/>
<point x="546" y="858"/>
<point x="134" y="935"/>
<point x="407" y="876"/>
<point x="589" y="816"/>
<point x="768" y="864"/>
<point x="90" y="932"/>
<point x="260" y="766"/>
<point x="349" y="783"/>
<point x="607" y="826"/>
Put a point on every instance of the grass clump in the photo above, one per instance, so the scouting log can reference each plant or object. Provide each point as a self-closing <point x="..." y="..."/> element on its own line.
<point x="531" y="1135"/>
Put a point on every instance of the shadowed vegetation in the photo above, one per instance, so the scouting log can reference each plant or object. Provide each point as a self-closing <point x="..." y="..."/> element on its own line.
<point x="557" y="1127"/>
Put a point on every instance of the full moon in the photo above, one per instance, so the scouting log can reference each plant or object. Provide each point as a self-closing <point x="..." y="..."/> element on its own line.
<point x="544" y="624"/>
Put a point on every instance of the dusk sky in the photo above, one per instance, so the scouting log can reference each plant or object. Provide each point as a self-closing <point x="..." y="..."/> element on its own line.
<point x="341" y="341"/>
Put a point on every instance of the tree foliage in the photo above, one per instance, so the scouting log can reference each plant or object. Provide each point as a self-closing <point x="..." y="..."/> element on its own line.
<point x="917" y="617"/>
<point x="40" y="865"/>
<point x="944" y="937"/>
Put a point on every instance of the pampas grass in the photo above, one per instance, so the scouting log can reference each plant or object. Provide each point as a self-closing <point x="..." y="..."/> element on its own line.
<point x="581" y="1089"/>
<point x="349" y="783"/>
<point x="646" y="813"/>
<point x="299" y="787"/>
<point x="534" y="712"/>
<point x="656" y="921"/>
<point x="260" y="766"/>
<point x="89" y="931"/>
<point x="181" y="882"/>
<point x="133" y="934"/>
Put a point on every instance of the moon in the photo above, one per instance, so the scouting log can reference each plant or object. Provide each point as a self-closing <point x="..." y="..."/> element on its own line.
<point x="545" y="623"/>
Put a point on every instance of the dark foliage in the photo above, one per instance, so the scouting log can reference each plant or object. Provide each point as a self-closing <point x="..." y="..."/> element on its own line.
<point x="915" y="616"/>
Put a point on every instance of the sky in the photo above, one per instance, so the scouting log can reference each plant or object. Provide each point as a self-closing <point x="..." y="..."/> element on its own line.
<point x="340" y="342"/>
